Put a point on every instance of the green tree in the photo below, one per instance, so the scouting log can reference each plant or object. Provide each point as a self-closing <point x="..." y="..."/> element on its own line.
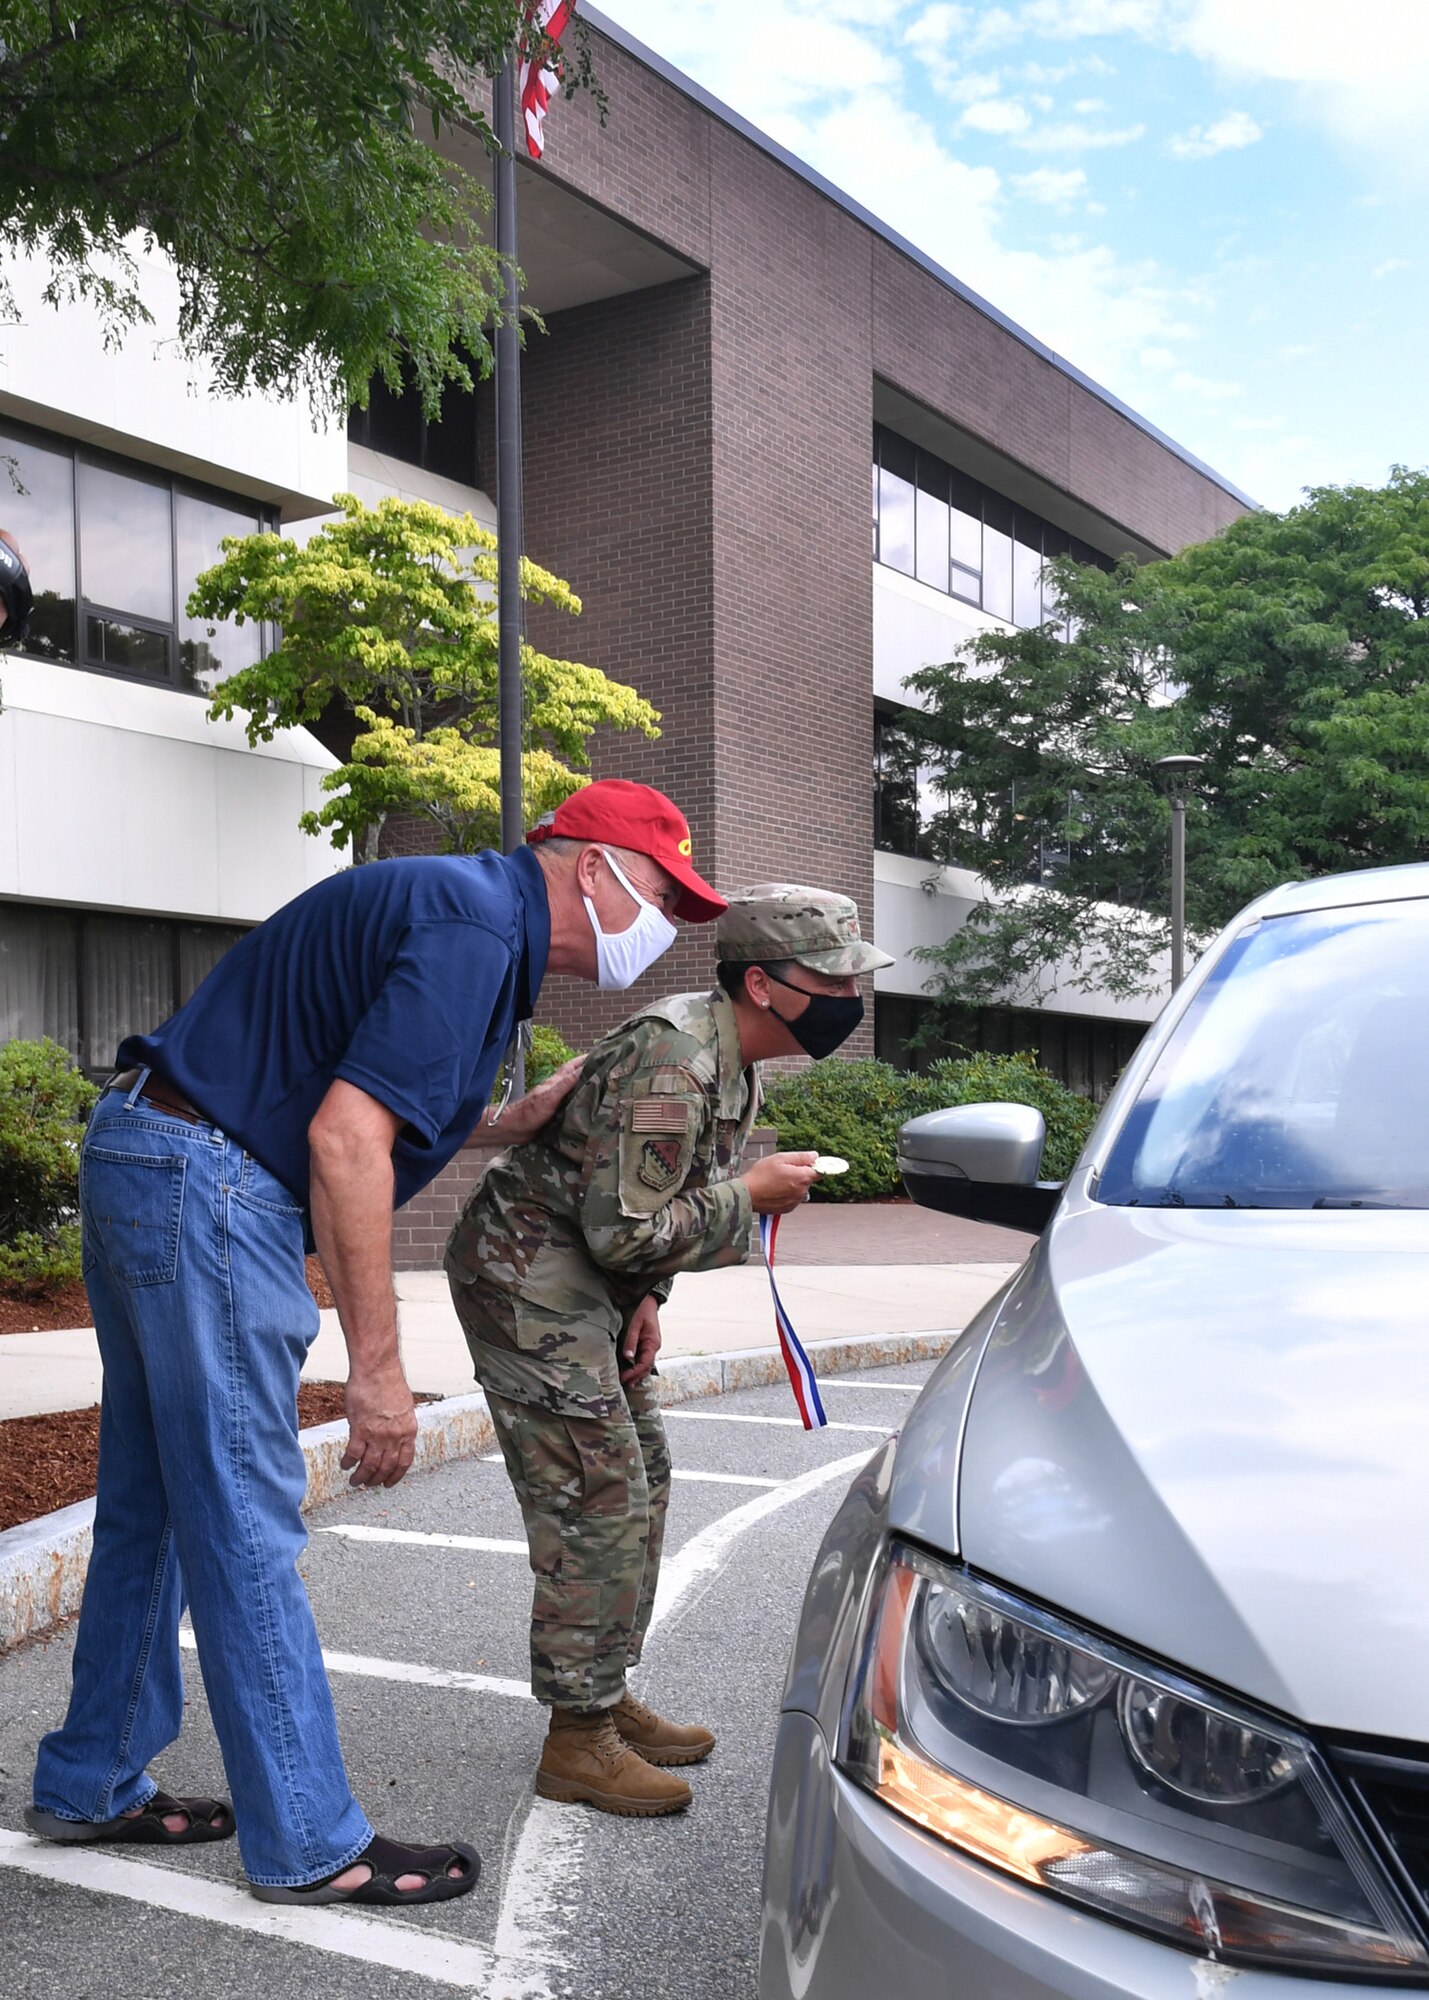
<point x="43" y="1102"/>
<point x="1291" y="653"/>
<point x="283" y="153"/>
<point x="391" y="611"/>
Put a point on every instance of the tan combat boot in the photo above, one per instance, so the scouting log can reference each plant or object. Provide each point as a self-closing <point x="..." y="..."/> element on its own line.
<point x="584" y="1761"/>
<point x="659" y="1741"/>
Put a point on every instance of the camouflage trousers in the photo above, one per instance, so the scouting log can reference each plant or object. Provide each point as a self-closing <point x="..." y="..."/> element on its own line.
<point x="593" y="1493"/>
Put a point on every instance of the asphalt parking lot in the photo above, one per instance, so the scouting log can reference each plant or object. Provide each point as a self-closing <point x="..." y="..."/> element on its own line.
<point x="421" y="1597"/>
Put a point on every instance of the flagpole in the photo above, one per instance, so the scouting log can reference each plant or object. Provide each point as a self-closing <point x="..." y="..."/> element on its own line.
<point x="508" y="484"/>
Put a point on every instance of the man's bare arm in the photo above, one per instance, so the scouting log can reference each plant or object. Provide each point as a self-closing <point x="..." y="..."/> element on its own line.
<point x="350" y="1144"/>
<point x="524" y="1116"/>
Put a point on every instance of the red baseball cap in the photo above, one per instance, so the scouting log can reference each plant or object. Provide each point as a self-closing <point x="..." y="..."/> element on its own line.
<point x="622" y="814"/>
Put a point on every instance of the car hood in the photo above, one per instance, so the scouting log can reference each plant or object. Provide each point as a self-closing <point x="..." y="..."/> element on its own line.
<point x="1207" y="1432"/>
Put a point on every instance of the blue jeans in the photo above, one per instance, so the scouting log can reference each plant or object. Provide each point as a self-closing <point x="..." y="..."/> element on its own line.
<point x="194" y="1263"/>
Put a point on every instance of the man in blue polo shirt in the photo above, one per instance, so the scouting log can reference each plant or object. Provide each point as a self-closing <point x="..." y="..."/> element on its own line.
<point x="327" y="1069"/>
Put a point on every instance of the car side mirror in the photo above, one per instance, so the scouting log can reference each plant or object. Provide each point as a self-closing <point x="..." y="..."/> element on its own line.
<point x="981" y="1161"/>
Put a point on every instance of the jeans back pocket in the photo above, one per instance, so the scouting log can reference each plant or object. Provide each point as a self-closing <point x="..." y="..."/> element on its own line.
<point x="133" y="1206"/>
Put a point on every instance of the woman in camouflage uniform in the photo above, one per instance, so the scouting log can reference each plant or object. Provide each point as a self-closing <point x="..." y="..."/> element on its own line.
<point x="558" y="1268"/>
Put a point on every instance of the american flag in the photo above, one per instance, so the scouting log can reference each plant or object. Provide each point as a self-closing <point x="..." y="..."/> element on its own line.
<point x="550" y="18"/>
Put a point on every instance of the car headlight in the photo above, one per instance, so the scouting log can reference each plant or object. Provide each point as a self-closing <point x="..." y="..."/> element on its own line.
<point x="1081" y="1769"/>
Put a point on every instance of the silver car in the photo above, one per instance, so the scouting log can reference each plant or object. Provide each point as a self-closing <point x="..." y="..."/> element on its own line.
<point x="1112" y="1677"/>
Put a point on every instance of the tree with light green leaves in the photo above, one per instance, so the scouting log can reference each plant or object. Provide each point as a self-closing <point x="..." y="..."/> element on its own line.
<point x="1291" y="653"/>
<point x="284" y="154"/>
<point x="390" y="613"/>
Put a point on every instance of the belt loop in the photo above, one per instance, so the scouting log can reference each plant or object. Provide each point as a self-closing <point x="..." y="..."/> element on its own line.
<point x="138" y="1090"/>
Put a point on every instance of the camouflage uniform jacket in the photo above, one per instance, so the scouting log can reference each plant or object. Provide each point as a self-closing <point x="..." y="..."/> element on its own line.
<point x="629" y="1185"/>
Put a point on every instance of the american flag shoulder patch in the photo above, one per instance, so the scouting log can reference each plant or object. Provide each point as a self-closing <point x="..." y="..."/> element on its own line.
<point x="660" y="1114"/>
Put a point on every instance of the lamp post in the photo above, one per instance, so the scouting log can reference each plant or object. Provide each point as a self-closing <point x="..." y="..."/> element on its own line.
<point x="1177" y="776"/>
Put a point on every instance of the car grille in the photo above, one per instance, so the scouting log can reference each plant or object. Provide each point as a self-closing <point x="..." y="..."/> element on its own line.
<point x="1391" y="1790"/>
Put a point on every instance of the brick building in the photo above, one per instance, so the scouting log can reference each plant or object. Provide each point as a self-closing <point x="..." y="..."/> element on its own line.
<point x="734" y="352"/>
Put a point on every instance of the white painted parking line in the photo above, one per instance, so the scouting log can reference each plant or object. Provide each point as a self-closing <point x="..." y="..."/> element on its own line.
<point x="784" y="1423"/>
<point x="703" y="1556"/>
<point x="872" y="1388"/>
<point x="724" y="1478"/>
<point x="711" y="1478"/>
<point x="345" y="1933"/>
<point x="488" y="1544"/>
<point x="407" y="1670"/>
<point x="545" y="1856"/>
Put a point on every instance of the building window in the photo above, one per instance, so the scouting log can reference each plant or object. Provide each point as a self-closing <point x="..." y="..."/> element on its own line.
<point x="87" y="980"/>
<point x="958" y="536"/>
<point x="114" y="549"/>
<point x="1083" y="1051"/>
<point x="394" y="425"/>
<point x="907" y="798"/>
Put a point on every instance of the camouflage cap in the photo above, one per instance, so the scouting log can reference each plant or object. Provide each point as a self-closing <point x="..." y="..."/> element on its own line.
<point x="785" y="920"/>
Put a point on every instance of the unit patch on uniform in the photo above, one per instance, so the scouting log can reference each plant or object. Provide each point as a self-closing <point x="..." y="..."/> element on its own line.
<point x="659" y="1166"/>
<point x="656" y="1150"/>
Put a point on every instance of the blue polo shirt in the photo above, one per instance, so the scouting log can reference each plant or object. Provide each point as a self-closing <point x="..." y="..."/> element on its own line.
<point x="406" y="978"/>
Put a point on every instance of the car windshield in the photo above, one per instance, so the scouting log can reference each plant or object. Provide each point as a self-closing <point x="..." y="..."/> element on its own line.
<point x="1297" y="1078"/>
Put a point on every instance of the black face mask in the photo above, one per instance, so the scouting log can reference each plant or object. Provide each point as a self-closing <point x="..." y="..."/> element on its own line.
<point x="826" y="1023"/>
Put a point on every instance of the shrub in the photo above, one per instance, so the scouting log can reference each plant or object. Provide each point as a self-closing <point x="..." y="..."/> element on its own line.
<point x="547" y="1052"/>
<point x="855" y="1109"/>
<point x="43" y="1103"/>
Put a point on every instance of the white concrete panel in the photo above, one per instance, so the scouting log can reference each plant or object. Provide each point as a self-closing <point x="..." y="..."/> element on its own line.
<point x="916" y="903"/>
<point x="261" y="859"/>
<point x="9" y="819"/>
<point x="372" y="476"/>
<point x="143" y="397"/>
<point x="46" y="689"/>
<point x="100" y="813"/>
<point x="915" y="626"/>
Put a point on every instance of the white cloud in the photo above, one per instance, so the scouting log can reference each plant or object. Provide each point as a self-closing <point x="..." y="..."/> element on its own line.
<point x="1235" y="130"/>
<point x="936" y="26"/>
<point x="1056" y="187"/>
<point x="1202" y="388"/>
<point x="1076" y="138"/>
<point x="1390" y="264"/>
<point x="1072" y="19"/>
<point x="1297" y="351"/>
<point x="1362" y="70"/>
<point x="1000" y="115"/>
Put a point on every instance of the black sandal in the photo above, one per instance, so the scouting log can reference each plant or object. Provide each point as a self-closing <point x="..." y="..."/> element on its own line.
<point x="208" y="1819"/>
<point x="388" y="1859"/>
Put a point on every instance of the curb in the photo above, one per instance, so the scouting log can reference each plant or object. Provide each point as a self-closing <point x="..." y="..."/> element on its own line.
<point x="43" y="1562"/>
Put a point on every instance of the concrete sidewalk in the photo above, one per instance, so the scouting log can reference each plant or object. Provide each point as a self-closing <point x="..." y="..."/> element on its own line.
<point x="843" y="1269"/>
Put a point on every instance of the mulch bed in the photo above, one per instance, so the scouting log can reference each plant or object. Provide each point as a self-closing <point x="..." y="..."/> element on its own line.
<point x="69" y="1306"/>
<point x="49" y="1461"/>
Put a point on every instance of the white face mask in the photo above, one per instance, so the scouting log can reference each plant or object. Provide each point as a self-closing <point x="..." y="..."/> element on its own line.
<point x="621" y="956"/>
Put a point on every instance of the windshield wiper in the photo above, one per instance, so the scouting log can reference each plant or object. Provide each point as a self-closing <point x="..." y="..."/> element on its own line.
<point x="1173" y="1198"/>
<point x="1359" y="1201"/>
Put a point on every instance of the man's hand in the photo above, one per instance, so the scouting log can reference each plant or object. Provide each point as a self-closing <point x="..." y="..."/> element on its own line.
<point x="780" y="1183"/>
<point x="381" y="1426"/>
<point x="523" y="1118"/>
<point x="640" y="1342"/>
<point x="350" y="1145"/>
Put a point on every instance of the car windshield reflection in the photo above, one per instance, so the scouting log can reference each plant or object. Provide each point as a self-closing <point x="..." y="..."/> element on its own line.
<point x="1298" y="1076"/>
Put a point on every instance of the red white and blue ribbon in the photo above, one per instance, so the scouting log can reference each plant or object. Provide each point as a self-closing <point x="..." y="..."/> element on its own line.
<point x="802" y="1379"/>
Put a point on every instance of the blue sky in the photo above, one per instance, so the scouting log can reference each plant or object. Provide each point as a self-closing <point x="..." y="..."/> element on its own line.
<point x="1216" y="208"/>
